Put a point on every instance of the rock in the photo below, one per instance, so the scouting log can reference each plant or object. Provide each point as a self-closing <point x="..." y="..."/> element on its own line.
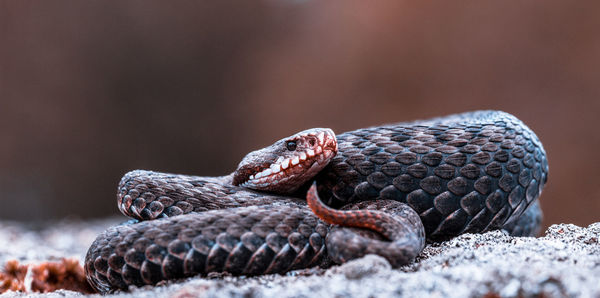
<point x="565" y="262"/>
<point x="368" y="265"/>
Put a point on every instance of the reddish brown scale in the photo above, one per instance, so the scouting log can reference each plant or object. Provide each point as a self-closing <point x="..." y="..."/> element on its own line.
<point x="356" y="218"/>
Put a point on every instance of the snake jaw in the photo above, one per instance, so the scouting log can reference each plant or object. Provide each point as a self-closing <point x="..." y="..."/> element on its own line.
<point x="281" y="170"/>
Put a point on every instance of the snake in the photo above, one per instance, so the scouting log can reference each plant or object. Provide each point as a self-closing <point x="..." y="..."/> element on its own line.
<point x="316" y="199"/>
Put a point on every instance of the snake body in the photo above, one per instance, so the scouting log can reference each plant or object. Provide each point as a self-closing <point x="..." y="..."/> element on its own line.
<point x="397" y="185"/>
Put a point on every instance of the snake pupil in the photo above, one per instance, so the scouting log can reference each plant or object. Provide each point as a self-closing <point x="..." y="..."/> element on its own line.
<point x="291" y="145"/>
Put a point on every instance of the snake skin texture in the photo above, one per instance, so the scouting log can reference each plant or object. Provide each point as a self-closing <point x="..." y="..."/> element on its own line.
<point x="397" y="233"/>
<point x="470" y="172"/>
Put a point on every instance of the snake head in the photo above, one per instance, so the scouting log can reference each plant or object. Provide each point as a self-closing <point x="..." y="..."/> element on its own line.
<point x="289" y="163"/>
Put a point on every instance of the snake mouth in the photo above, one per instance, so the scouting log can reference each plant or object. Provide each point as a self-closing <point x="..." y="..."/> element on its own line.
<point x="289" y="169"/>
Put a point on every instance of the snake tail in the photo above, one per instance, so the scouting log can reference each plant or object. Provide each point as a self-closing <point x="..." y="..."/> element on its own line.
<point x="396" y="222"/>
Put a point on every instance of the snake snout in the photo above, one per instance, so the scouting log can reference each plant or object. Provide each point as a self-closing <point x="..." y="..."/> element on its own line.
<point x="289" y="163"/>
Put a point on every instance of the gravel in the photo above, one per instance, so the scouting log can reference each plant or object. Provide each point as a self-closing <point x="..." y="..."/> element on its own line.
<point x="563" y="263"/>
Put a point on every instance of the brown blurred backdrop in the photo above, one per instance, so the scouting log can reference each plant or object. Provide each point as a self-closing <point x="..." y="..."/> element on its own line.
<point x="92" y="89"/>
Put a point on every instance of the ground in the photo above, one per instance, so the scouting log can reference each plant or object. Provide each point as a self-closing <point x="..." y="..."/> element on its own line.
<point x="565" y="262"/>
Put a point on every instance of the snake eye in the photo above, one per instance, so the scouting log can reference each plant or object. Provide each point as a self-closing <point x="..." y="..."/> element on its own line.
<point x="291" y="145"/>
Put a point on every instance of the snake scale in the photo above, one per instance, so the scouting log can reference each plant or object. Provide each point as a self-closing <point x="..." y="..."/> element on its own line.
<point x="316" y="198"/>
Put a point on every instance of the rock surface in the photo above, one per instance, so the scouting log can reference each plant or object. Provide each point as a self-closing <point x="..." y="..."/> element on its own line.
<point x="563" y="263"/>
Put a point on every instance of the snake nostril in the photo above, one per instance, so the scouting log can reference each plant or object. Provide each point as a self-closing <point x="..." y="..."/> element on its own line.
<point x="312" y="142"/>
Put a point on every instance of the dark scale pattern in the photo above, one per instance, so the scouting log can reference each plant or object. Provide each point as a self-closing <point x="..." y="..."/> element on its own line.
<point x="146" y="195"/>
<point x="252" y="240"/>
<point x="471" y="172"/>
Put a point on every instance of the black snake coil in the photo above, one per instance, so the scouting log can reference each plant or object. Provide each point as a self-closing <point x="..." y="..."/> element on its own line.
<point x="471" y="172"/>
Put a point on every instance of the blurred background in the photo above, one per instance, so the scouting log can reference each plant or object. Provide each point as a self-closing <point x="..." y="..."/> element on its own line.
<point x="92" y="89"/>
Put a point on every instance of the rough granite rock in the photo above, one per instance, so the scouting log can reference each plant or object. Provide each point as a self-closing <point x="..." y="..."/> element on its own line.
<point x="563" y="263"/>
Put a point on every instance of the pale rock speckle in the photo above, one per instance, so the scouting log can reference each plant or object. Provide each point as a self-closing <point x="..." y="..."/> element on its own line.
<point x="563" y="263"/>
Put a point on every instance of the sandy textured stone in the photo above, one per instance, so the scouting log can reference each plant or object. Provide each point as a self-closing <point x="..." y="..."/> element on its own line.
<point x="563" y="263"/>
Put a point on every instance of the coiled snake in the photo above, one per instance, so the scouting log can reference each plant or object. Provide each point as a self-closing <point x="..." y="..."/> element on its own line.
<point x="470" y="172"/>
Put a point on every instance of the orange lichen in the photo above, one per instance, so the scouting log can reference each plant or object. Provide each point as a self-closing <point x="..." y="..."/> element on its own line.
<point x="44" y="277"/>
<point x="12" y="277"/>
